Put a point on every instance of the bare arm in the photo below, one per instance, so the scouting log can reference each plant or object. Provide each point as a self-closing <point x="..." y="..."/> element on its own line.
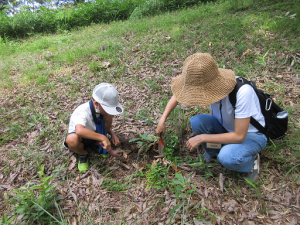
<point x="108" y="122"/>
<point x="161" y="128"/>
<point x="86" y="133"/>
<point x="237" y="136"/>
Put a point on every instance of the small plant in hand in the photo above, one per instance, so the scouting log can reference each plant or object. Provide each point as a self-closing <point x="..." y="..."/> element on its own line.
<point x="36" y="202"/>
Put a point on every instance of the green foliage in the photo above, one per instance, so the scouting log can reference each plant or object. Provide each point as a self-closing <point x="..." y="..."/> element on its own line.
<point x="180" y="185"/>
<point x="149" y="8"/>
<point x="183" y="193"/>
<point x="143" y="114"/>
<point x="145" y="141"/>
<point x="35" y="201"/>
<point x="261" y="59"/>
<point x="113" y="185"/>
<point x="171" y="147"/>
<point x="83" y="14"/>
<point x="157" y="176"/>
<point x="285" y="22"/>
<point x="203" y="167"/>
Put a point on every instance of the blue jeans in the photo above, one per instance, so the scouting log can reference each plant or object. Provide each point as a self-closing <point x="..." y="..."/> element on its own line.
<point x="237" y="157"/>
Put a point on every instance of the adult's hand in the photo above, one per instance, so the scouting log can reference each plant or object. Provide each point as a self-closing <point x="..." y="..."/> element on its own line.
<point x="161" y="129"/>
<point x="193" y="142"/>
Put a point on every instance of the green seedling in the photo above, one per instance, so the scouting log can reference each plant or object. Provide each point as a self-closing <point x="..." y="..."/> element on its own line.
<point x="145" y="141"/>
<point x="261" y="59"/>
<point x="157" y="176"/>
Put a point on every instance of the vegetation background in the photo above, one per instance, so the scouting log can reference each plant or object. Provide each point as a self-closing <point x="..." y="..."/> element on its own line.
<point x="50" y="61"/>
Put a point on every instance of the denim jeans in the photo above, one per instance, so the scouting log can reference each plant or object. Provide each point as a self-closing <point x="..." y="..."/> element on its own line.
<point x="237" y="157"/>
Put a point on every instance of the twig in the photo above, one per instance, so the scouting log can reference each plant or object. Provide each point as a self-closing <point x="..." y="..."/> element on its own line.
<point x="266" y="199"/>
<point x="221" y="205"/>
<point x="124" y="165"/>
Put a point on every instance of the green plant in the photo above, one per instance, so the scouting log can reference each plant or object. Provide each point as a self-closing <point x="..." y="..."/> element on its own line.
<point x="5" y="220"/>
<point x="34" y="201"/>
<point x="203" y="167"/>
<point x="157" y="176"/>
<point x="143" y="115"/>
<point x="145" y="141"/>
<point x="261" y="59"/>
<point x="183" y="195"/>
<point x="171" y="146"/>
<point x="112" y="185"/>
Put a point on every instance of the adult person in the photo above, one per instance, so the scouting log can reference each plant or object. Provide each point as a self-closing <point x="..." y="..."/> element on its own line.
<point x="91" y="121"/>
<point x="226" y="134"/>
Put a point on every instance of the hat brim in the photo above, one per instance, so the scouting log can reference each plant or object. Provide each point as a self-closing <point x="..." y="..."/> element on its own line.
<point x="206" y="94"/>
<point x="115" y="110"/>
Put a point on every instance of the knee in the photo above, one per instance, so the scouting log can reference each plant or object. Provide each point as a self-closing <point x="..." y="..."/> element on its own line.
<point x="230" y="160"/>
<point x="197" y="123"/>
<point x="225" y="157"/>
<point x="73" y="140"/>
<point x="226" y="161"/>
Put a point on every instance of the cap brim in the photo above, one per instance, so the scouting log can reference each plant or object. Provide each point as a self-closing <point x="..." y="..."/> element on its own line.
<point x="116" y="110"/>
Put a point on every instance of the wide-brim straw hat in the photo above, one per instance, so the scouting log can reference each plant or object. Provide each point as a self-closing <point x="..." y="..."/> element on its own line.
<point x="202" y="83"/>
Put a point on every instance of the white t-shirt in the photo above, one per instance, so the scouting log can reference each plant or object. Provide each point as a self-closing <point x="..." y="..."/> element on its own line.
<point x="247" y="104"/>
<point x="82" y="115"/>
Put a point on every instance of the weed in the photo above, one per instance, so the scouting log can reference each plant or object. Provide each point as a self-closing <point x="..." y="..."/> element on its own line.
<point x="261" y="59"/>
<point x="143" y="115"/>
<point x="157" y="176"/>
<point x="112" y="185"/>
<point x="145" y="141"/>
<point x="183" y="196"/>
<point x="33" y="205"/>
<point x="203" y="167"/>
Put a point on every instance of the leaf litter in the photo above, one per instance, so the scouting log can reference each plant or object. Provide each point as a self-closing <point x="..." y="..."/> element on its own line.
<point x="227" y="198"/>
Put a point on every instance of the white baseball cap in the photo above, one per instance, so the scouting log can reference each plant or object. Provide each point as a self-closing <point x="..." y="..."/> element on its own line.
<point x="107" y="96"/>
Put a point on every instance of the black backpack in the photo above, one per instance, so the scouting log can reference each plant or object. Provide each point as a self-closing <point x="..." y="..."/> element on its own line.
<point x="276" y="119"/>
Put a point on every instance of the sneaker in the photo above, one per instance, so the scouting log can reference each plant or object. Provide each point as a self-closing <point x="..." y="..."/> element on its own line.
<point x="207" y="158"/>
<point x="104" y="156"/>
<point x="253" y="174"/>
<point x="83" y="162"/>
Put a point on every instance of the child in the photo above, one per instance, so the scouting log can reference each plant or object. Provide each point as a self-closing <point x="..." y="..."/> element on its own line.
<point x="90" y="122"/>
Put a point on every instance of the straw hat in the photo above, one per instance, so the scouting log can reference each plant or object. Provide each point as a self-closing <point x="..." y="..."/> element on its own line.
<point x="202" y="83"/>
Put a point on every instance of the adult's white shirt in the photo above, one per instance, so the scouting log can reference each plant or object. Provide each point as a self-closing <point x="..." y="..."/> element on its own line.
<point x="247" y="105"/>
<point x="82" y="115"/>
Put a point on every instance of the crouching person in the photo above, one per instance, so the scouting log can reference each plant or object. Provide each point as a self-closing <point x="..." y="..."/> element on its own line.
<point x="90" y="123"/>
<point x="226" y="134"/>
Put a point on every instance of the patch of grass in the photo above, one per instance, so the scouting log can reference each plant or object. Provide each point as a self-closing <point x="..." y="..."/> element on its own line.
<point x="113" y="185"/>
<point x="157" y="176"/>
<point x="32" y="206"/>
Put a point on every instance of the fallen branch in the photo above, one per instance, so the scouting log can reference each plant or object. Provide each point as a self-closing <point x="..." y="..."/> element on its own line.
<point x="266" y="199"/>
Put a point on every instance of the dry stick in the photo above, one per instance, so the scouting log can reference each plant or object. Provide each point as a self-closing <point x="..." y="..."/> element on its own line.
<point x="266" y="199"/>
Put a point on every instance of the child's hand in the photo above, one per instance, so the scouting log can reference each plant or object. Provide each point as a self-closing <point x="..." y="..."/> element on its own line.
<point x="115" y="140"/>
<point x="105" y="144"/>
<point x="113" y="153"/>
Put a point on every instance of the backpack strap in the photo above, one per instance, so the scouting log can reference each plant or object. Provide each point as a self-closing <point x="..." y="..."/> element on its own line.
<point x="239" y="83"/>
<point x="232" y="98"/>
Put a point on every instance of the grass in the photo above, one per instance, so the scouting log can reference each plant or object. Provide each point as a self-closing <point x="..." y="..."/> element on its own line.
<point x="45" y="77"/>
